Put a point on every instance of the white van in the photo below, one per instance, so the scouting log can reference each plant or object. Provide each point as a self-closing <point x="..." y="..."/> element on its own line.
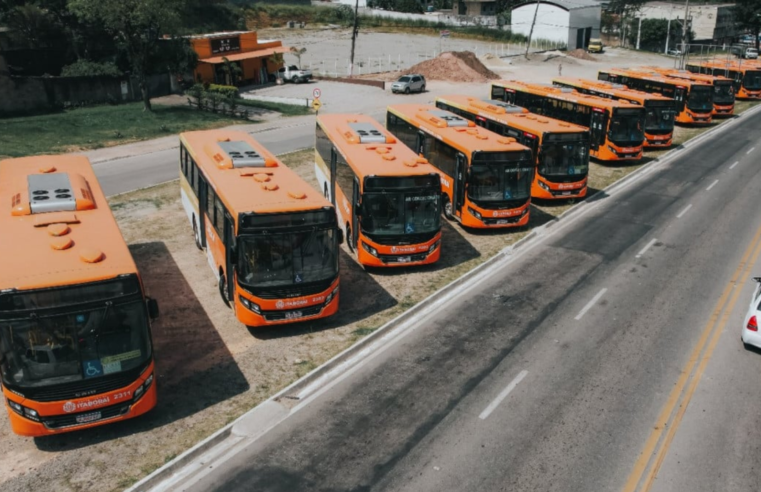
<point x="744" y="51"/>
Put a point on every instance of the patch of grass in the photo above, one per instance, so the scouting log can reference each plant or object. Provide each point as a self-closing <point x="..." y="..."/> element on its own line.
<point x="99" y="126"/>
<point x="363" y="331"/>
<point x="282" y="108"/>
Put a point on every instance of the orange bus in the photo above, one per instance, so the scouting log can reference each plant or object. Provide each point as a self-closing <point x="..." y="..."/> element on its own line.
<point x="75" y="338"/>
<point x="694" y="100"/>
<point x="485" y="178"/>
<point x="746" y="76"/>
<point x="616" y="128"/>
<point x="659" y="110"/>
<point x="271" y="240"/>
<point x="560" y="149"/>
<point x="723" y="88"/>
<point x="387" y="197"/>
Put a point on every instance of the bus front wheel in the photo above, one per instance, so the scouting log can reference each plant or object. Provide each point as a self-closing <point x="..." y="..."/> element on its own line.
<point x="349" y="239"/>
<point x="195" y="234"/>
<point x="448" y="210"/>
<point x="223" y="290"/>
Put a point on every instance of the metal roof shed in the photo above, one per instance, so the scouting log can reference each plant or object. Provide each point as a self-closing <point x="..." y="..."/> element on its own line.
<point x="572" y="22"/>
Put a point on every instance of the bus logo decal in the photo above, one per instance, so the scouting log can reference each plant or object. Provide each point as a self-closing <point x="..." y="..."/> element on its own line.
<point x="69" y="407"/>
<point x="279" y="304"/>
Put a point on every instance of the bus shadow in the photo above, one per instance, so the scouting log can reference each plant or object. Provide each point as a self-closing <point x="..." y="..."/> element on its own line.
<point x="361" y="297"/>
<point x="194" y="369"/>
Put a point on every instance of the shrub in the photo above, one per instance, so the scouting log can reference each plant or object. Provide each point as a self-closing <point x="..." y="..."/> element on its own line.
<point x="87" y="68"/>
<point x="225" y="90"/>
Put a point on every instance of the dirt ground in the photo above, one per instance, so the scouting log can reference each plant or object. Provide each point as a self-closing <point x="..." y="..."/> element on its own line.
<point x="210" y="368"/>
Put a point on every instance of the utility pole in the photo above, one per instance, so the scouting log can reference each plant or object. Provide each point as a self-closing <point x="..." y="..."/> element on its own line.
<point x="354" y="32"/>
<point x="531" y="31"/>
<point x="685" y="30"/>
<point x="668" y="32"/>
<point x="639" y="30"/>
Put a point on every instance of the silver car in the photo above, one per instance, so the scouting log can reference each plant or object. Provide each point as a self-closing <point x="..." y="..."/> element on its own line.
<point x="409" y="83"/>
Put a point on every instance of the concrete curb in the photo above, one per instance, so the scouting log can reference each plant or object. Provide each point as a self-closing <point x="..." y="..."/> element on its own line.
<point x="288" y="392"/>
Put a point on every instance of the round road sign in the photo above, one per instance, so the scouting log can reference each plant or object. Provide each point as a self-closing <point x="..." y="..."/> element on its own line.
<point x="316" y="93"/>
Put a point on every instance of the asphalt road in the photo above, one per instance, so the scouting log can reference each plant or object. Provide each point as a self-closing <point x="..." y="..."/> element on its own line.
<point x="553" y="373"/>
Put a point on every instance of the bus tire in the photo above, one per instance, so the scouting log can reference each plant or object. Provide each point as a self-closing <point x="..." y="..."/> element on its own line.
<point x="348" y="238"/>
<point x="327" y="195"/>
<point x="196" y="236"/>
<point x="223" y="289"/>
<point x="447" y="208"/>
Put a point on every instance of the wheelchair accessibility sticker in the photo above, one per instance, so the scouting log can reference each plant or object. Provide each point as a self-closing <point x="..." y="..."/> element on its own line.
<point x="92" y="368"/>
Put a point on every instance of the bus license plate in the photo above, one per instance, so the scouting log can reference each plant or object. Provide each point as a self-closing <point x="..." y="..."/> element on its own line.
<point x="405" y="259"/>
<point x="566" y="193"/>
<point x="502" y="221"/>
<point x="88" y="417"/>
<point x="293" y="315"/>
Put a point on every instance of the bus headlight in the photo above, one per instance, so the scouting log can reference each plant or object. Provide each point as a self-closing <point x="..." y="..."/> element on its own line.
<point x="143" y="387"/>
<point x="331" y="295"/>
<point x="525" y="211"/>
<point x="434" y="246"/>
<point x="544" y="185"/>
<point x="251" y="306"/>
<point x="613" y="150"/>
<point x="370" y="249"/>
<point x="23" y="411"/>
<point x="474" y="213"/>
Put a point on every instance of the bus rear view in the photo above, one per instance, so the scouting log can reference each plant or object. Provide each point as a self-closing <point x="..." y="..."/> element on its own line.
<point x="75" y="342"/>
<point x="387" y="197"/>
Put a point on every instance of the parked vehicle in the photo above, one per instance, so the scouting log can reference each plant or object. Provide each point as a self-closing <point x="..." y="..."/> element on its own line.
<point x="750" y="333"/>
<point x="675" y="52"/>
<point x="744" y="51"/>
<point x="413" y="82"/>
<point x="294" y="74"/>
<point x="595" y="45"/>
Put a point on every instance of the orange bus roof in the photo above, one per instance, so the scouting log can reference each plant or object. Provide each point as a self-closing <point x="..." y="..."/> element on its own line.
<point x="684" y="74"/>
<point x="385" y="156"/>
<point x="267" y="186"/>
<point x="612" y="89"/>
<point x="519" y="118"/>
<point x="728" y="65"/>
<point x="467" y="138"/>
<point x="65" y="238"/>
<point x="645" y="74"/>
<point x="564" y="94"/>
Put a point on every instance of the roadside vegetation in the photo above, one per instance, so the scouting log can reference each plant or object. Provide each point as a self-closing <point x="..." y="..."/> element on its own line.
<point x="100" y="126"/>
<point x="284" y="109"/>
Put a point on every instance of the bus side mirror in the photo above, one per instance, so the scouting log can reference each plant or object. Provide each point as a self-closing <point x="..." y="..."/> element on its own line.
<point x="340" y="236"/>
<point x="153" y="308"/>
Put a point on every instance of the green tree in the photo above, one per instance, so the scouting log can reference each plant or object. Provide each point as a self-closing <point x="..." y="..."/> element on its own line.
<point x="138" y="26"/>
<point x="297" y="52"/>
<point x="748" y="17"/>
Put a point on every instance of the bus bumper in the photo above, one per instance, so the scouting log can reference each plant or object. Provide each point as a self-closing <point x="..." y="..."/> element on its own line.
<point x="288" y="311"/>
<point x="547" y="190"/>
<point x="690" y="118"/>
<point x="60" y="423"/>
<point x="375" y="255"/>
<point x="723" y="111"/>
<point x="480" y="218"/>
<point x="609" y="153"/>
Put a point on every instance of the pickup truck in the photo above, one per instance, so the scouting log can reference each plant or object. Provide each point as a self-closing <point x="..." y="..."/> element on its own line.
<point x="294" y="74"/>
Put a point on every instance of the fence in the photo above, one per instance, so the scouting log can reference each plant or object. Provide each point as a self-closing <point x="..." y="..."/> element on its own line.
<point x="453" y="20"/>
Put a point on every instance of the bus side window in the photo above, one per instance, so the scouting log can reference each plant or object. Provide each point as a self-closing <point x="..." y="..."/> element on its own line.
<point x="210" y="197"/>
<point x="219" y="216"/>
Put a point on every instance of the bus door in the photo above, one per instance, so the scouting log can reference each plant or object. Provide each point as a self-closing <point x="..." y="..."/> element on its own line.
<point x="459" y="182"/>
<point x="420" y="143"/>
<point x="354" y="215"/>
<point x="332" y="189"/>
<point x="228" y="239"/>
<point x="532" y="142"/>
<point x="510" y="96"/>
<point x="597" y="128"/>
<point x="202" y="208"/>
<point x="679" y="98"/>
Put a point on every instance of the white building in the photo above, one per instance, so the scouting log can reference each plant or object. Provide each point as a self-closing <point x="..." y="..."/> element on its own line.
<point x="572" y="22"/>
<point x="713" y="22"/>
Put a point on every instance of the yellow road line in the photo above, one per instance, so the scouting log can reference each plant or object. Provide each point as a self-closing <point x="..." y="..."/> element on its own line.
<point x="743" y="269"/>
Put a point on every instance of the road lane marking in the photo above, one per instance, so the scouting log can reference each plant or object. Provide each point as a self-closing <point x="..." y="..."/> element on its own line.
<point x="590" y="304"/>
<point x="649" y="453"/>
<point x="684" y="211"/>
<point x="652" y="241"/>
<point x="712" y="185"/>
<point x="503" y="395"/>
<point x="733" y="165"/>
<point x="751" y="150"/>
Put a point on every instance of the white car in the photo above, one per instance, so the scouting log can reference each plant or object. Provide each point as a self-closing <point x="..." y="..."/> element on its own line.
<point x="751" y="335"/>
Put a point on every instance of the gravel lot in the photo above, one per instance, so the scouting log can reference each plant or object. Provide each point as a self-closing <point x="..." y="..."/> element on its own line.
<point x="210" y="368"/>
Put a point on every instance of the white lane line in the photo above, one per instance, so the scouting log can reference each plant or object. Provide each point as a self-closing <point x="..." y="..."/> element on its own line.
<point x="751" y="150"/>
<point x="503" y="395"/>
<point x="712" y="185"/>
<point x="653" y="241"/>
<point x="733" y="165"/>
<point x="590" y="304"/>
<point x="684" y="211"/>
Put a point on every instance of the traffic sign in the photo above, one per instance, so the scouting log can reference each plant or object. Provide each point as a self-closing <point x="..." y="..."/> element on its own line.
<point x="316" y="104"/>
<point x="316" y="93"/>
<point x="444" y="34"/>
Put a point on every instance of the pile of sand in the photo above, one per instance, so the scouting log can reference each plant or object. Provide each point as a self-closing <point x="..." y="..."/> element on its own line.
<point x="494" y="60"/>
<point x="581" y="55"/>
<point x="454" y="66"/>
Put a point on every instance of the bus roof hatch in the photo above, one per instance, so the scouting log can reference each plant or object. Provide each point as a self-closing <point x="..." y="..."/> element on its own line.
<point x="242" y="154"/>
<point x="509" y="108"/>
<point x="451" y="119"/>
<point x="367" y="133"/>
<point x="51" y="193"/>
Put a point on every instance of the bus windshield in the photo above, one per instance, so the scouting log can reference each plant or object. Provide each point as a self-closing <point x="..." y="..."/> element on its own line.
<point x="659" y="116"/>
<point x="626" y="127"/>
<point x="564" y="155"/>
<point x="53" y="346"/>
<point x="395" y="213"/>
<point x="723" y="92"/>
<point x="752" y="80"/>
<point x="288" y="258"/>
<point x="700" y="98"/>
<point x="500" y="176"/>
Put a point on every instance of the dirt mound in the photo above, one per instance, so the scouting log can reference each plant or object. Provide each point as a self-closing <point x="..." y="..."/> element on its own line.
<point x="454" y="66"/>
<point x="581" y="55"/>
